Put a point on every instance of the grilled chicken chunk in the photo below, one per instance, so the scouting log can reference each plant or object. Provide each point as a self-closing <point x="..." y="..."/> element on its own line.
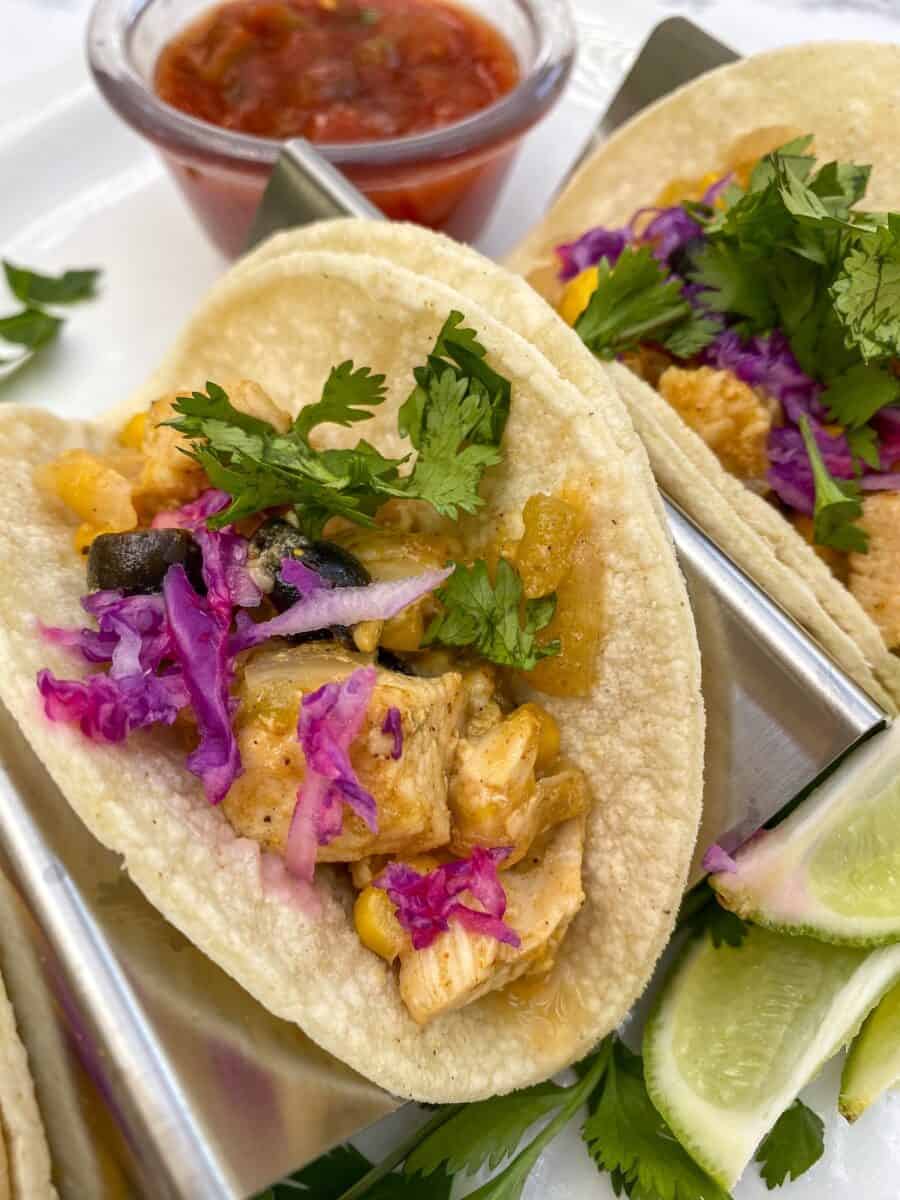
<point x="495" y="799"/>
<point x="727" y="413"/>
<point x="543" y="892"/>
<point x="875" y="576"/>
<point x="410" y="792"/>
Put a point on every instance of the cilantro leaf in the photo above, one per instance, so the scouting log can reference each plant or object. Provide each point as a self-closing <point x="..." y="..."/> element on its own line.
<point x="703" y="914"/>
<point x="734" y="283"/>
<point x="485" y="1133"/>
<point x="451" y="461"/>
<point x="33" y="288"/>
<point x="634" y="301"/>
<point x="856" y="395"/>
<point x="477" y="613"/>
<point x="348" y="396"/>
<point x="863" y="443"/>
<point x="330" y="1176"/>
<point x="626" y="1136"/>
<point x="692" y="335"/>
<point x="866" y="292"/>
<point x="31" y="328"/>
<point x="261" y="468"/>
<point x="837" y="503"/>
<point x="840" y="186"/>
<point x="794" y="1144"/>
<point x="509" y="1183"/>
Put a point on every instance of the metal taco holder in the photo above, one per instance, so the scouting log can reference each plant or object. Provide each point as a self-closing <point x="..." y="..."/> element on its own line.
<point x="157" y="1075"/>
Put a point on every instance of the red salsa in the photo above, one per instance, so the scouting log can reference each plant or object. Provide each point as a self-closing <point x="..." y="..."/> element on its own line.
<point x="336" y="70"/>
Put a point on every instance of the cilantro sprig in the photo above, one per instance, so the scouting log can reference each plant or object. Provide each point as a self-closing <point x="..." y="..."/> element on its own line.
<point x="454" y="419"/>
<point x="635" y="301"/>
<point x="487" y="616"/>
<point x="32" y="327"/>
<point x="837" y="506"/>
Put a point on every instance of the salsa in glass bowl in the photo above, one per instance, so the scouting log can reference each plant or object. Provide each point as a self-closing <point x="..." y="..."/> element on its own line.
<point x="422" y="103"/>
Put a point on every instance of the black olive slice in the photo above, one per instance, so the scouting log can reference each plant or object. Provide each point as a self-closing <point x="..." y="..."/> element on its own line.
<point x="277" y="539"/>
<point x="136" y="562"/>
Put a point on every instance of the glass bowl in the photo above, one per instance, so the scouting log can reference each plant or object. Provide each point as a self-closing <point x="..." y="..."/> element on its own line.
<point x="447" y="178"/>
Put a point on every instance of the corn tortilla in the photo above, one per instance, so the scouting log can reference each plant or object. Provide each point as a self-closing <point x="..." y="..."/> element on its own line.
<point x="639" y="737"/>
<point x="24" y="1157"/>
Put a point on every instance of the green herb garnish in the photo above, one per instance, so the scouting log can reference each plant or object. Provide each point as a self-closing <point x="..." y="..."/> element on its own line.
<point x="837" y="502"/>
<point x="32" y="328"/>
<point x="636" y="301"/>
<point x="794" y="1144"/>
<point x="487" y="617"/>
<point x="454" y="417"/>
<point x="704" y="916"/>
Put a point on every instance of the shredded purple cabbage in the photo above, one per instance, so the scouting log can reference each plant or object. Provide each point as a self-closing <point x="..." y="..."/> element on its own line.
<point x="767" y="362"/>
<point x="587" y="250"/>
<point x="193" y="516"/>
<point x="108" y="709"/>
<point x="330" y="720"/>
<point x="297" y="574"/>
<point x="393" y="725"/>
<point x="200" y="642"/>
<point x="670" y="230"/>
<point x="340" y="606"/>
<point x="426" y="904"/>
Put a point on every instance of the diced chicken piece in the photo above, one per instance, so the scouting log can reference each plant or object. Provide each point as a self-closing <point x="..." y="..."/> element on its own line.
<point x="170" y="477"/>
<point x="410" y="792"/>
<point x="482" y="710"/>
<point x="875" y="576"/>
<point x="727" y="413"/>
<point x="836" y="560"/>
<point x="543" y="892"/>
<point x="495" y="799"/>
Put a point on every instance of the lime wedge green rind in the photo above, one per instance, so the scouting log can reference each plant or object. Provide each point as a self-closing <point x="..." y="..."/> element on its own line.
<point x="873" y="1064"/>
<point x="736" y="1033"/>
<point x="832" y="869"/>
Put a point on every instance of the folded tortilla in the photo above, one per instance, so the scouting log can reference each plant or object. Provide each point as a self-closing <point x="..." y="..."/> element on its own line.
<point x="24" y="1157"/>
<point x="843" y="93"/>
<point x="638" y="737"/>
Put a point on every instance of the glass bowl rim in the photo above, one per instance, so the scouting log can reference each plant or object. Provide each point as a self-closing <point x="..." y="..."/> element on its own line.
<point x="109" y="31"/>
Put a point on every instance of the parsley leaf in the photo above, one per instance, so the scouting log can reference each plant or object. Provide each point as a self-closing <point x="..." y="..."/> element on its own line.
<point x="703" y="914"/>
<point x="487" y="617"/>
<point x="837" y="503"/>
<point x="866" y="292"/>
<point x="485" y="1133"/>
<point x="626" y="1136"/>
<point x="33" y="288"/>
<point x="792" y="1146"/>
<point x="31" y="328"/>
<point x="856" y="395"/>
<point x="634" y="301"/>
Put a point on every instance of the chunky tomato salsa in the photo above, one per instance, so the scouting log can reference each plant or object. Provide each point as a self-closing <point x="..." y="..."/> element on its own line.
<point x="336" y="70"/>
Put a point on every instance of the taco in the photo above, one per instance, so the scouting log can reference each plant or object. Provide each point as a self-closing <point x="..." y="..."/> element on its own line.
<point x="728" y="252"/>
<point x="440" y="683"/>
<point x="24" y="1157"/>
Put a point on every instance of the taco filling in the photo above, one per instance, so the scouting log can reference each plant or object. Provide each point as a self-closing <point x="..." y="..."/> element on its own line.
<point x="332" y="637"/>
<point x="761" y="302"/>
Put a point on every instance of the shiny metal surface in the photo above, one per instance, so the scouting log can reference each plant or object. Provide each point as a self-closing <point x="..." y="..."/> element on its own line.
<point x="779" y="712"/>
<point x="171" y="1083"/>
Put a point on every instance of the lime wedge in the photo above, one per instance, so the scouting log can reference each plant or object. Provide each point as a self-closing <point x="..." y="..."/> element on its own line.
<point x="873" y="1064"/>
<point x="736" y="1033"/>
<point x="832" y="869"/>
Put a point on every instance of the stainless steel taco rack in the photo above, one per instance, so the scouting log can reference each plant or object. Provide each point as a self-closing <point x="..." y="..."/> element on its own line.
<point x="158" y="1076"/>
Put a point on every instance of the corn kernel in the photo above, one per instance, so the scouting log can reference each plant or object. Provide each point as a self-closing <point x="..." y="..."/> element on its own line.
<point x="377" y="925"/>
<point x="131" y="434"/>
<point x="366" y="635"/>
<point x="577" y="294"/>
<point x="548" y="738"/>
